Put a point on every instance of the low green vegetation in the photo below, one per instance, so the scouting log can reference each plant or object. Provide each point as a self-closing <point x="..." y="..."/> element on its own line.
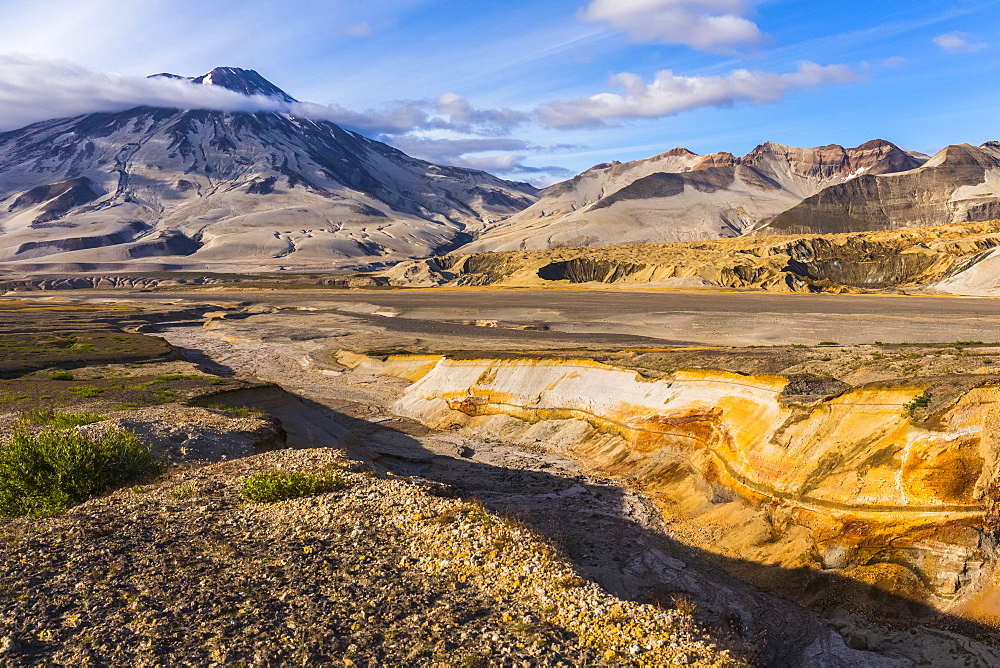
<point x="44" y="416"/>
<point x="105" y="388"/>
<point x="270" y="486"/>
<point x="240" y="411"/>
<point x="183" y="492"/>
<point x="86" y="391"/>
<point x="42" y="474"/>
<point x="22" y="353"/>
<point x="922" y="401"/>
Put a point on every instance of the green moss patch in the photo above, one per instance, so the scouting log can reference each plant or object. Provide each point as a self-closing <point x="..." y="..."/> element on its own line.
<point x="23" y="353"/>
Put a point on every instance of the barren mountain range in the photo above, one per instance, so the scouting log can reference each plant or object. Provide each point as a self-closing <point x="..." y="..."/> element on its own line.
<point x="166" y="188"/>
<point x="681" y="196"/>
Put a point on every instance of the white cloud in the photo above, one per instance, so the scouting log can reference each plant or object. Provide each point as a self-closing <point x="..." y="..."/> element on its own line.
<point x="894" y="63"/>
<point x="35" y="89"/>
<point x="670" y="94"/>
<point x="463" y="116"/>
<point x="393" y="118"/>
<point x="358" y="30"/>
<point x="445" y="150"/>
<point x="959" y="42"/>
<point x="716" y="26"/>
<point x="448" y="112"/>
<point x="471" y="153"/>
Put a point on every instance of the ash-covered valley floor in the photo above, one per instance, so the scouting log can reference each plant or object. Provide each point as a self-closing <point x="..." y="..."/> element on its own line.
<point x="608" y="529"/>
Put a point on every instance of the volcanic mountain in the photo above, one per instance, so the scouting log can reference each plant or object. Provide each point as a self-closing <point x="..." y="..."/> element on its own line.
<point x="960" y="184"/>
<point x="185" y="188"/>
<point x="682" y="196"/>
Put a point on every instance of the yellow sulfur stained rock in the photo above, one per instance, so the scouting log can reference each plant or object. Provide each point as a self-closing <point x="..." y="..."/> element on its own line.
<point x="847" y="485"/>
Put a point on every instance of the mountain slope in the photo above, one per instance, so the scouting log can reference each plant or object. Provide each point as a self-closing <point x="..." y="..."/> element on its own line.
<point x="959" y="184"/>
<point x="681" y="196"/>
<point x="197" y="188"/>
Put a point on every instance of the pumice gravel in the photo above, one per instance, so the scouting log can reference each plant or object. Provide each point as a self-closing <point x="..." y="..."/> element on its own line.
<point x="382" y="571"/>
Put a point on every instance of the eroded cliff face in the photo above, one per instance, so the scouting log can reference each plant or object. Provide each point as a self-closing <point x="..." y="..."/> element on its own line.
<point x="911" y="257"/>
<point x="866" y="490"/>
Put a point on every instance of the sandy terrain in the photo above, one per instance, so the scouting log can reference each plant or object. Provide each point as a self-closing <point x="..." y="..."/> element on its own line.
<point x="609" y="318"/>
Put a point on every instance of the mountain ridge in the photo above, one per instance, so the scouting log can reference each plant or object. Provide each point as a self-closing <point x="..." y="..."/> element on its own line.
<point x="958" y="184"/>
<point x="679" y="195"/>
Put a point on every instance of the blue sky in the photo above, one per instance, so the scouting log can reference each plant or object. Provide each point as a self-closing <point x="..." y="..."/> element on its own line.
<point x="550" y="87"/>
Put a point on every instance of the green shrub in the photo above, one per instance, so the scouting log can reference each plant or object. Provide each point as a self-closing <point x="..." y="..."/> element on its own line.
<point x="42" y="416"/>
<point x="61" y="375"/>
<point x="43" y="474"/>
<point x="269" y="486"/>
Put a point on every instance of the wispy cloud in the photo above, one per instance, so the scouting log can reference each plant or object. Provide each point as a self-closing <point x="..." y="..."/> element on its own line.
<point x="959" y="42"/>
<point x="464" y="117"/>
<point x="436" y="150"/>
<point x="716" y="26"/>
<point x="507" y="155"/>
<point x="362" y="29"/>
<point x="395" y="117"/>
<point x="670" y="94"/>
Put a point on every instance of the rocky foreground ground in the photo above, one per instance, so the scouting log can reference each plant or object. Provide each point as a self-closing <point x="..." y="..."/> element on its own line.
<point x="392" y="571"/>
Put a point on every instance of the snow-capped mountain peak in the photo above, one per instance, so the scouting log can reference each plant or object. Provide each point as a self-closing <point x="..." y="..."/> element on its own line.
<point x="245" y="82"/>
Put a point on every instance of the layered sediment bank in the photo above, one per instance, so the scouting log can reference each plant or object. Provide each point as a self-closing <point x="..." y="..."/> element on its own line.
<point x="875" y="486"/>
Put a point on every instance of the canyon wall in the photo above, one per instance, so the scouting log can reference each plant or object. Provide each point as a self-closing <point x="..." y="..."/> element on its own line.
<point x="876" y="488"/>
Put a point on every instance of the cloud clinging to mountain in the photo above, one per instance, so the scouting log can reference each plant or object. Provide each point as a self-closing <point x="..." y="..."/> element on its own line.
<point x="36" y="89"/>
